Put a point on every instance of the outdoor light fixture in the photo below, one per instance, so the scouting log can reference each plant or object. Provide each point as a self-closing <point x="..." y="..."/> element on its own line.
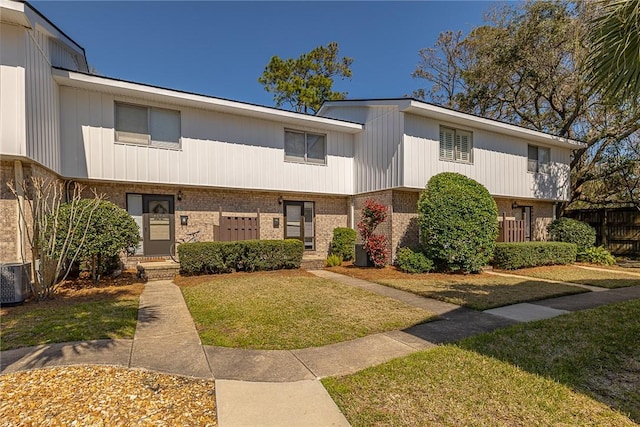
<point x="184" y="220"/>
<point x="279" y="200"/>
<point x="179" y="195"/>
<point x="515" y="205"/>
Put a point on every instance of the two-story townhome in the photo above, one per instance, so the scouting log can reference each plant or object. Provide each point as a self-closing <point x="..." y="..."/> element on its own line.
<point x="181" y="162"/>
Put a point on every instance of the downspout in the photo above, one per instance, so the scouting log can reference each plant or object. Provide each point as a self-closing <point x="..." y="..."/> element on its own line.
<point x="22" y="224"/>
<point x="352" y="212"/>
<point x="67" y="195"/>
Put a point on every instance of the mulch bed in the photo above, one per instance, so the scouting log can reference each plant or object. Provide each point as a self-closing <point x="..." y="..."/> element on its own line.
<point x="104" y="396"/>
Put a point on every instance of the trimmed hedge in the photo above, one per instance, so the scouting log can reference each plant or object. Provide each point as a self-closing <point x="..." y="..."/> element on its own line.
<point x="511" y="256"/>
<point x="343" y="243"/>
<point x="247" y="255"/>
<point x="412" y="261"/>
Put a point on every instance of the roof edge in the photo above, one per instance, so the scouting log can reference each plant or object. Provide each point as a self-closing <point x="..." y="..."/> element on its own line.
<point x="406" y="103"/>
<point x="80" y="78"/>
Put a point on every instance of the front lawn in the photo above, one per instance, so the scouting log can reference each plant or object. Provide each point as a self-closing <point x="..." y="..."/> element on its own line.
<point x="73" y="315"/>
<point x="478" y="291"/>
<point x="573" y="274"/>
<point x="564" y="371"/>
<point x="288" y="310"/>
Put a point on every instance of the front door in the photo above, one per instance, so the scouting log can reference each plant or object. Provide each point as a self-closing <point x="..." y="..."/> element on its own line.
<point x="300" y="223"/>
<point x="158" y="224"/>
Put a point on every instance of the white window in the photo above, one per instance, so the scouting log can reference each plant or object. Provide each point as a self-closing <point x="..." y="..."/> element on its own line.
<point x="305" y="147"/>
<point x="147" y="125"/>
<point x="538" y="159"/>
<point x="456" y="145"/>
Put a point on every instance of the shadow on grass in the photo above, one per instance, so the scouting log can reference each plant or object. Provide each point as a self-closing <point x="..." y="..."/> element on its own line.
<point x="613" y="283"/>
<point x="595" y="352"/>
<point x="483" y="297"/>
<point x="97" y="329"/>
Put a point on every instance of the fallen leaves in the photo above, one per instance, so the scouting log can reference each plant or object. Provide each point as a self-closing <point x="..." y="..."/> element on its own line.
<point x="104" y="396"/>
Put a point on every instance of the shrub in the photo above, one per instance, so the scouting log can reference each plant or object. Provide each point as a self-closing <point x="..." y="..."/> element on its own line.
<point x="572" y="231"/>
<point x="334" y="260"/>
<point x="110" y="230"/>
<point x="343" y="243"/>
<point x="247" y="255"/>
<point x="411" y="261"/>
<point x="511" y="256"/>
<point x="376" y="245"/>
<point x="458" y="222"/>
<point x="596" y="255"/>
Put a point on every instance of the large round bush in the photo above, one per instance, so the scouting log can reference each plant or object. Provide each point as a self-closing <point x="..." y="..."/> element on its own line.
<point x="572" y="231"/>
<point x="109" y="231"/>
<point x="458" y="222"/>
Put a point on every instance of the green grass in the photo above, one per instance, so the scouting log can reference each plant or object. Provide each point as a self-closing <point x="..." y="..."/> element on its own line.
<point x="289" y="311"/>
<point x="573" y="274"/>
<point x="569" y="370"/>
<point x="107" y="313"/>
<point x="482" y="292"/>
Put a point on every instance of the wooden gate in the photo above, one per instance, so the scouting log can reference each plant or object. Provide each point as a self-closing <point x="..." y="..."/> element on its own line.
<point x="233" y="228"/>
<point x="511" y="230"/>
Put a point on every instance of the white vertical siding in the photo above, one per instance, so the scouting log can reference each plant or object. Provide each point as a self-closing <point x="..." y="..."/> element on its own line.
<point x="499" y="162"/>
<point x="220" y="150"/>
<point x="42" y="104"/>
<point x="12" y="87"/>
<point x="377" y="156"/>
<point x="63" y="57"/>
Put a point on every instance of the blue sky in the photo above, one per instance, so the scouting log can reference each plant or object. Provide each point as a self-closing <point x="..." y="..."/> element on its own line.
<point x="221" y="48"/>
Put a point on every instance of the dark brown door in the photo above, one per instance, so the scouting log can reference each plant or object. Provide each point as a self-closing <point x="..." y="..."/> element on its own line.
<point x="158" y="219"/>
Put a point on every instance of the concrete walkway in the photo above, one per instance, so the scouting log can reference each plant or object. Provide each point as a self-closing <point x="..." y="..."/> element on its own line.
<point x="281" y="387"/>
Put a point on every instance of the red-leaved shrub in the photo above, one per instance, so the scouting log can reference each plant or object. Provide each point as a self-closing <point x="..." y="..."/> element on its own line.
<point x="374" y="214"/>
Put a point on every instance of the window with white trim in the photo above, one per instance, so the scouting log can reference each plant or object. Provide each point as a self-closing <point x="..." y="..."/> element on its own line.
<point x="305" y="147"/>
<point x="456" y="145"/>
<point x="538" y="159"/>
<point x="138" y="124"/>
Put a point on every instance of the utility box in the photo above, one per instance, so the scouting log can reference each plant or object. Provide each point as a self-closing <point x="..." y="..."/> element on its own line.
<point x="362" y="257"/>
<point x="14" y="282"/>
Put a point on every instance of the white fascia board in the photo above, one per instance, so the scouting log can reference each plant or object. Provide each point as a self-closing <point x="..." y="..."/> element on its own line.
<point x="162" y="95"/>
<point x="464" y="119"/>
<point x="24" y="15"/>
<point x="13" y="12"/>
<point x="327" y="105"/>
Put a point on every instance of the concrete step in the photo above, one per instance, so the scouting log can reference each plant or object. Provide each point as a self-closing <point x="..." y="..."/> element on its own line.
<point x="312" y="263"/>
<point x="161" y="270"/>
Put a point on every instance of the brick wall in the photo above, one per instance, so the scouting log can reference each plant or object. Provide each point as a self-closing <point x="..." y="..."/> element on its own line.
<point x="406" y="230"/>
<point x="8" y="215"/>
<point x="202" y="206"/>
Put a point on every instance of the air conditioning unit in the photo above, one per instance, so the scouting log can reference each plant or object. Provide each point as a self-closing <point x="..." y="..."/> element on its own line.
<point x="14" y="282"/>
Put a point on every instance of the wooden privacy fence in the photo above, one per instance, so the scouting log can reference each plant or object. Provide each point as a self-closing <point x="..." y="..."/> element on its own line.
<point x="617" y="229"/>
<point x="511" y="230"/>
<point x="233" y="228"/>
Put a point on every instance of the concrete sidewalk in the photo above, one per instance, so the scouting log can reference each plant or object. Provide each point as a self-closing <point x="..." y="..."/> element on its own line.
<point x="281" y="387"/>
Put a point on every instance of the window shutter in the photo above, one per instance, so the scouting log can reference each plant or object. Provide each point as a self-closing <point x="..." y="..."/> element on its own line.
<point x="463" y="146"/>
<point x="446" y="143"/>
